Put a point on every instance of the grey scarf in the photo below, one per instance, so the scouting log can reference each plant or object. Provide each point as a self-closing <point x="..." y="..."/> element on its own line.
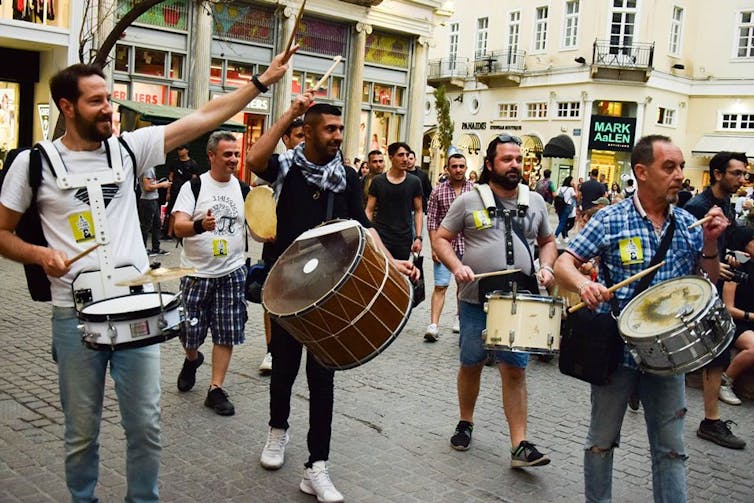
<point x="330" y="176"/>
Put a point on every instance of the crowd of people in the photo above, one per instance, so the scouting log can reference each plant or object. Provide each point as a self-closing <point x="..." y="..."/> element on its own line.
<point x="474" y="227"/>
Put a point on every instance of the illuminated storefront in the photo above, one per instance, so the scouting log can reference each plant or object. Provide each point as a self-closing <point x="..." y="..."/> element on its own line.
<point x="612" y="134"/>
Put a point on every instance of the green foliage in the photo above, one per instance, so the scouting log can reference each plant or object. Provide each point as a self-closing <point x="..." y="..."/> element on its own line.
<point x="444" y="124"/>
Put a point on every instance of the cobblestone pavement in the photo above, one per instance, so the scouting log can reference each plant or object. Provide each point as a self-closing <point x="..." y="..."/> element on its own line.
<point x="393" y="418"/>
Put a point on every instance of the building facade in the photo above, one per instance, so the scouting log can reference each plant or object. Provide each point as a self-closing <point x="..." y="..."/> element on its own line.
<point x="602" y="73"/>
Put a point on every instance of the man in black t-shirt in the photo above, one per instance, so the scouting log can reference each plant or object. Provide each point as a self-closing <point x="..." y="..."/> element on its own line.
<point x="591" y="190"/>
<point x="182" y="169"/>
<point x="302" y="205"/>
<point x="393" y="196"/>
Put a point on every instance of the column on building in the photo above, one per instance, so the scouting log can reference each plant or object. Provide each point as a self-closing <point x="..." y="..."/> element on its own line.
<point x="583" y="154"/>
<point x="355" y="86"/>
<point x="200" y="62"/>
<point x="282" y="90"/>
<point x="417" y="93"/>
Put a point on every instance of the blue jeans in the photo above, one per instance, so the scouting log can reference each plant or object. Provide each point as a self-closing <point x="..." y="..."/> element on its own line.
<point x="563" y="222"/>
<point x="81" y="376"/>
<point x="664" y="402"/>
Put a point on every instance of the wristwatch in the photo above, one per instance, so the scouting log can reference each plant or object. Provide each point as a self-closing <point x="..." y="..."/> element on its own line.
<point x="419" y="238"/>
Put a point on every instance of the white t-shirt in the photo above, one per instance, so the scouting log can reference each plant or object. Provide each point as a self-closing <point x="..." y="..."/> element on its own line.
<point x="569" y="196"/>
<point x="66" y="215"/>
<point x="214" y="253"/>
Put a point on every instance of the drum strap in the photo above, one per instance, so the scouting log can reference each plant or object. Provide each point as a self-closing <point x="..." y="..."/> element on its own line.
<point x="662" y="251"/>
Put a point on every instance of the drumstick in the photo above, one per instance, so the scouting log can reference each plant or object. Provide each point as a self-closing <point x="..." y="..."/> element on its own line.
<point x="701" y="221"/>
<point x="495" y="273"/>
<point x="295" y="29"/>
<point x="81" y="255"/>
<point x="335" y="62"/>
<point x="623" y="283"/>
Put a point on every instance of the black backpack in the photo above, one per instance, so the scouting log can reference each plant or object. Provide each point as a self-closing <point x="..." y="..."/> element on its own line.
<point x="29" y="227"/>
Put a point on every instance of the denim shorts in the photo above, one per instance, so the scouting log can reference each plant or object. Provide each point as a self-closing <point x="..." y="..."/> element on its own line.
<point x="441" y="273"/>
<point x="218" y="304"/>
<point x="473" y="320"/>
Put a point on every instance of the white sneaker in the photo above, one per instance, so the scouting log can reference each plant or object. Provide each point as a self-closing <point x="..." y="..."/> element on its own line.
<point x="456" y="326"/>
<point x="273" y="454"/>
<point x="317" y="482"/>
<point x="266" y="366"/>
<point x="432" y="333"/>
<point x="726" y="393"/>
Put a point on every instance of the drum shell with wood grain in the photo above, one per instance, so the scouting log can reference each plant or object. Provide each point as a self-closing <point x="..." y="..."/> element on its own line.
<point x="338" y="295"/>
<point x="665" y="343"/>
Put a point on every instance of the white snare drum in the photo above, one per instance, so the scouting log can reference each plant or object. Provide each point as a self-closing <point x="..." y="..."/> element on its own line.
<point x="523" y="322"/>
<point x="131" y="321"/>
<point x="676" y="326"/>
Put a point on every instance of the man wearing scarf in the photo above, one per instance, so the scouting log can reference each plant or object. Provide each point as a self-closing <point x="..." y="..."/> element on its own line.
<point x="306" y="176"/>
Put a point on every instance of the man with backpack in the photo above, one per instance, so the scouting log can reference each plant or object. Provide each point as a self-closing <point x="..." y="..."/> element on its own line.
<point x="76" y="210"/>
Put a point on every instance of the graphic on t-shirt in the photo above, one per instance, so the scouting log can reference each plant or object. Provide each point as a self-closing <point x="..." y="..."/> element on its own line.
<point x="82" y="226"/>
<point x="219" y="247"/>
<point x="225" y="224"/>
<point x="482" y="219"/>
<point x="108" y="193"/>
<point x="631" y="251"/>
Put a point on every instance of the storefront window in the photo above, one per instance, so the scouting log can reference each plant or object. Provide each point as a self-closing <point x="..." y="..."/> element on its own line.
<point x="176" y="66"/>
<point x="121" y="58"/>
<point x="149" y="62"/>
<point x="387" y="49"/>
<point x="9" y="112"/>
<point x="245" y="22"/>
<point x="216" y="72"/>
<point x="322" y="37"/>
<point x="173" y="14"/>
<point x="331" y="88"/>
<point x="238" y="74"/>
<point x="175" y="97"/>
<point x="365" y="92"/>
<point x="382" y="95"/>
<point x="336" y="84"/>
<point x="611" y="108"/>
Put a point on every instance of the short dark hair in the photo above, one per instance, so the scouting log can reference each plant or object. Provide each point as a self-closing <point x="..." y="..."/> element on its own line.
<point x="457" y="155"/>
<point x="316" y="111"/>
<point x="374" y="152"/>
<point x="594" y="172"/>
<point x="218" y="136"/>
<point x="546" y="173"/>
<point x="297" y="122"/>
<point x="643" y="151"/>
<point x="65" y="83"/>
<point x="395" y="146"/>
<point x="181" y="147"/>
<point x="492" y="151"/>
<point x="720" y="161"/>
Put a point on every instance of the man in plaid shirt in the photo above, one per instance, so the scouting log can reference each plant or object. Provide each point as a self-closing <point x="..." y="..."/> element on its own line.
<point x="626" y="236"/>
<point x="439" y="202"/>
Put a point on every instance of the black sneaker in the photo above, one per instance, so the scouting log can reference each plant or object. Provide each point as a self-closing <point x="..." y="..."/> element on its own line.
<point x="187" y="376"/>
<point x="158" y="251"/>
<point x="218" y="399"/>
<point x="461" y="439"/>
<point x="719" y="432"/>
<point x="527" y="455"/>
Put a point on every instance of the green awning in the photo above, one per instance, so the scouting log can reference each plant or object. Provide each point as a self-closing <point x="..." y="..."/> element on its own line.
<point x="161" y="114"/>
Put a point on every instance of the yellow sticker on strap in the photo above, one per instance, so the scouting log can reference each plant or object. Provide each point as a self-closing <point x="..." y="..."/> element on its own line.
<point x="482" y="219"/>
<point x="631" y="251"/>
<point x="82" y="226"/>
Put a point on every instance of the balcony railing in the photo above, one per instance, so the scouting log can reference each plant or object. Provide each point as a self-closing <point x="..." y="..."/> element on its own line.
<point x="639" y="55"/>
<point x="448" y="68"/>
<point x="506" y="61"/>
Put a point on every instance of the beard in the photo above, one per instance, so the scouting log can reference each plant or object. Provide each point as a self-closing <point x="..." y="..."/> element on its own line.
<point x="671" y="198"/>
<point x="94" y="130"/>
<point x="508" y="181"/>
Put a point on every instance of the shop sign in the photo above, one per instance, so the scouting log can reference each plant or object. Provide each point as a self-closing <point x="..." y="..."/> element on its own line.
<point x="612" y="133"/>
<point x="505" y="127"/>
<point x="260" y="104"/>
<point x="577" y="131"/>
<point x="44" y="118"/>
<point x="474" y="125"/>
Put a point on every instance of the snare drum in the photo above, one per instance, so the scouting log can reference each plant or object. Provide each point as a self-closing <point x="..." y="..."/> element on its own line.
<point x="338" y="295"/>
<point x="676" y="326"/>
<point x="131" y="321"/>
<point x="523" y="322"/>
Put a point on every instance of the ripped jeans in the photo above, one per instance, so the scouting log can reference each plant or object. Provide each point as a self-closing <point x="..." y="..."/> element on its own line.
<point x="664" y="403"/>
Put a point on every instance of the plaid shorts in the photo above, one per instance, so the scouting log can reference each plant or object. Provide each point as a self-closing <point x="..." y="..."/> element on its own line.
<point x="218" y="304"/>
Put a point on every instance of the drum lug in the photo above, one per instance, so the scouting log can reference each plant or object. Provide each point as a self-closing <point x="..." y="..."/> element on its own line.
<point x="552" y="308"/>
<point x="513" y="305"/>
<point x="486" y="307"/>
<point x="511" y="337"/>
<point x="550" y="339"/>
<point x="112" y="332"/>
<point x="634" y="354"/>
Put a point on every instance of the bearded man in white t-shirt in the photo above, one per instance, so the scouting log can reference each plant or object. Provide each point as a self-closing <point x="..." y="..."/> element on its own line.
<point x="212" y="226"/>
<point x="82" y="95"/>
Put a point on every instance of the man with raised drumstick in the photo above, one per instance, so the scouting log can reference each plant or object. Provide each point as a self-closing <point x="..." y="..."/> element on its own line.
<point x="637" y="225"/>
<point x="500" y="236"/>
<point x="314" y="188"/>
<point x="82" y="95"/>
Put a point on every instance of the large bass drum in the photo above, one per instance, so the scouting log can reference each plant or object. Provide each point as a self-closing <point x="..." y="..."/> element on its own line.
<point x="676" y="326"/>
<point x="338" y="295"/>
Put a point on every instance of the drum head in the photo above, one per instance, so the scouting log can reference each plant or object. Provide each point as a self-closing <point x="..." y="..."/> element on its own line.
<point x="312" y="267"/>
<point x="655" y="311"/>
<point x="260" y="210"/>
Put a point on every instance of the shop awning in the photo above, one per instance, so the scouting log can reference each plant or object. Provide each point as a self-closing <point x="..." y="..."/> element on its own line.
<point x="560" y="146"/>
<point x="161" y="114"/>
<point x="711" y="144"/>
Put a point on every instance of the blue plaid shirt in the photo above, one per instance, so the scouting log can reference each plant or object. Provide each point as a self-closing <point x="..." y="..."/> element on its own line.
<point x="625" y="241"/>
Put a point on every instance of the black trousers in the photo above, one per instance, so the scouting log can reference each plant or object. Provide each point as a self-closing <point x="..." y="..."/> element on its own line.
<point x="286" y="359"/>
